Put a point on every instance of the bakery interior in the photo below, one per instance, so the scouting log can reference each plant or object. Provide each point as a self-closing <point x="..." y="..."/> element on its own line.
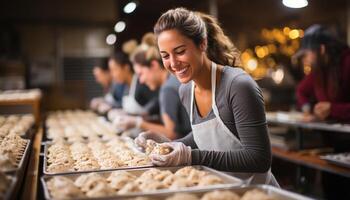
<point x="60" y="140"/>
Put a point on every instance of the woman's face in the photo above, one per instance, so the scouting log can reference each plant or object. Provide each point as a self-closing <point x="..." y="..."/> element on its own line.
<point x="148" y="75"/>
<point x="309" y="58"/>
<point x="180" y="55"/>
<point x="118" y="72"/>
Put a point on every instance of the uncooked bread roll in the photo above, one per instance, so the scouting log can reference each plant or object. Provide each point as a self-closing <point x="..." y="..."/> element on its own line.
<point x="63" y="188"/>
<point x="210" y="180"/>
<point x="151" y="185"/>
<point x="161" y="149"/>
<point x="118" y="179"/>
<point x="221" y="195"/>
<point x="181" y="183"/>
<point x="184" y="172"/>
<point x="256" y="194"/>
<point x="129" y="188"/>
<point x="182" y="196"/>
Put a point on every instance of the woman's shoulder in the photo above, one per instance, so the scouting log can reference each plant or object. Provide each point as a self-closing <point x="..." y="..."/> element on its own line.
<point x="185" y="90"/>
<point x="235" y="76"/>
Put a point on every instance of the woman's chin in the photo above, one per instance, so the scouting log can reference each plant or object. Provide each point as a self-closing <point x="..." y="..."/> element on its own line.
<point x="184" y="80"/>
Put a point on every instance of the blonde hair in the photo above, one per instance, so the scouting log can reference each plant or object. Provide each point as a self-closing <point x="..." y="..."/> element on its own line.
<point x="147" y="51"/>
<point x="129" y="46"/>
<point x="200" y="27"/>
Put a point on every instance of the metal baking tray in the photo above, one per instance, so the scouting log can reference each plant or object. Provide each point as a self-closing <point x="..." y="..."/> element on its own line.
<point x="342" y="159"/>
<point x="21" y="159"/>
<point x="47" y="144"/>
<point x="11" y="191"/>
<point x="274" y="192"/>
<point x="229" y="182"/>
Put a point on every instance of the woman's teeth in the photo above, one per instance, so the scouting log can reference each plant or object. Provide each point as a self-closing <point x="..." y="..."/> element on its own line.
<point x="181" y="72"/>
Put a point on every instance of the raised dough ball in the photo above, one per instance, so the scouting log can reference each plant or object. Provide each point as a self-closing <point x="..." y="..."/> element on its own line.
<point x="221" y="195"/>
<point x="256" y="194"/>
<point x="210" y="180"/>
<point x="182" y="196"/>
<point x="161" y="150"/>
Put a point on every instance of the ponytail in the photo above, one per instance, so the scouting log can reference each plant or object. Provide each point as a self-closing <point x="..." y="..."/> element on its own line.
<point x="220" y="48"/>
<point x="199" y="27"/>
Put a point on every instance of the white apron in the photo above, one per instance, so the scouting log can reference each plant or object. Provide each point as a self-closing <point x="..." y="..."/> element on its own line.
<point x="213" y="135"/>
<point x="129" y="103"/>
<point x="109" y="98"/>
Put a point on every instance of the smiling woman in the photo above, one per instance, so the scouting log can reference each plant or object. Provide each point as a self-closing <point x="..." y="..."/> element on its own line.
<point x="147" y="61"/>
<point x="225" y="105"/>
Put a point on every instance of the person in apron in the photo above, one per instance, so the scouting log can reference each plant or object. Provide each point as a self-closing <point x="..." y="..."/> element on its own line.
<point x="137" y="97"/>
<point x="174" y="120"/>
<point x="225" y="105"/>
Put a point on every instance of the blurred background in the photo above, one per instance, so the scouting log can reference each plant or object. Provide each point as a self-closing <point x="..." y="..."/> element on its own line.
<point x="53" y="45"/>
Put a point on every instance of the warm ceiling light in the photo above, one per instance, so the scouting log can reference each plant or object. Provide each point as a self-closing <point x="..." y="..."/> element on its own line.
<point x="111" y="39"/>
<point x="130" y="7"/>
<point x="295" y="3"/>
<point x="119" y="27"/>
<point x="252" y="64"/>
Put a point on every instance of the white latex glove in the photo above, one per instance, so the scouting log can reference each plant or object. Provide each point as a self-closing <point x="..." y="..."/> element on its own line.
<point x="103" y="107"/>
<point x="125" y="122"/>
<point x="112" y="114"/>
<point x="95" y="102"/>
<point x="141" y="139"/>
<point x="180" y="156"/>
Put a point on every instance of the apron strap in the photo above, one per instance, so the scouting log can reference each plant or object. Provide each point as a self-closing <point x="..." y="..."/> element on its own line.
<point x="133" y="86"/>
<point x="191" y="105"/>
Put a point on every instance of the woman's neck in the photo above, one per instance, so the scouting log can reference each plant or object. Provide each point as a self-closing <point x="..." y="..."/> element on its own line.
<point x="201" y="81"/>
<point x="163" y="77"/>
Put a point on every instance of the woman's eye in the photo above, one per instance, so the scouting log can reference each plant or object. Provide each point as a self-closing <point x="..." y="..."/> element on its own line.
<point x="165" y="56"/>
<point x="180" y="52"/>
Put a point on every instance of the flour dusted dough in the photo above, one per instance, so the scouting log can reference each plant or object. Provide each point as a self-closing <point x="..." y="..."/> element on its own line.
<point x="256" y="194"/>
<point x="210" y="180"/>
<point x="63" y="188"/>
<point x="221" y="195"/>
<point x="182" y="196"/>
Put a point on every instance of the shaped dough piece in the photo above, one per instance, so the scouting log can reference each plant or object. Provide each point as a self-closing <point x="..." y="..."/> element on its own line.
<point x="182" y="196"/>
<point x="210" y="180"/>
<point x="63" y="188"/>
<point x="130" y="188"/>
<point x="220" y="195"/>
<point x="256" y="194"/>
<point x="181" y="182"/>
<point x="185" y="171"/>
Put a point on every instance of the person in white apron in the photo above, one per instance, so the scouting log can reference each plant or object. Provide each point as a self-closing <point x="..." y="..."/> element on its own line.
<point x="122" y="72"/>
<point x="191" y="44"/>
<point x="129" y="103"/>
<point x="224" y="139"/>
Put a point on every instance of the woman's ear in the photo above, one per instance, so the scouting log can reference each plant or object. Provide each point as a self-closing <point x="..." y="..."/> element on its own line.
<point x="203" y="45"/>
<point x="154" y="64"/>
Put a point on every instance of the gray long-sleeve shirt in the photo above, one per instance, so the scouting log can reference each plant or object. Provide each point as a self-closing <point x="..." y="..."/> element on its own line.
<point x="241" y="108"/>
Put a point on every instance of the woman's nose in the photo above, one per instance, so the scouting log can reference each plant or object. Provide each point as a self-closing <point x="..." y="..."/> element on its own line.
<point x="173" y="61"/>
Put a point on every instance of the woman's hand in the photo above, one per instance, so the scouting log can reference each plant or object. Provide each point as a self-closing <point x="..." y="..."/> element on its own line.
<point x="141" y="139"/>
<point x="112" y="114"/>
<point x="179" y="156"/>
<point x="126" y="122"/>
<point x="322" y="110"/>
